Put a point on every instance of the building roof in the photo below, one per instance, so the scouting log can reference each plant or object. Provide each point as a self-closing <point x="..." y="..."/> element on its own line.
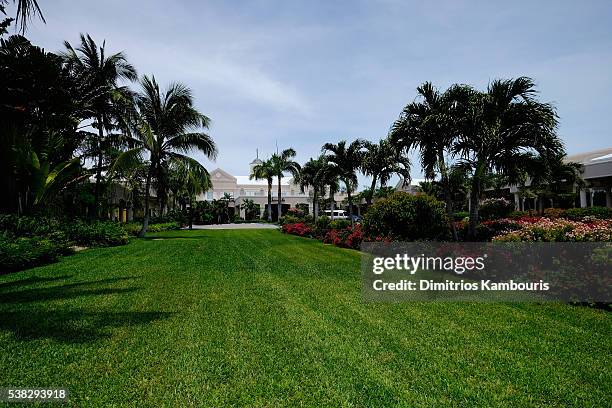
<point x="592" y="157"/>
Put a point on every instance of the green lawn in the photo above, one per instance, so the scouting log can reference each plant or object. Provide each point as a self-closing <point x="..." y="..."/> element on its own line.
<point x="258" y="318"/>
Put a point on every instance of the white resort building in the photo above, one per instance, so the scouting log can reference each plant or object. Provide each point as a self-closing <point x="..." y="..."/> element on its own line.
<point x="240" y="188"/>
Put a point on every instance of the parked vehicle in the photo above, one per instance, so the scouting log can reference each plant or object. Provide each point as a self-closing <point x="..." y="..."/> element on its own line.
<point x="338" y="214"/>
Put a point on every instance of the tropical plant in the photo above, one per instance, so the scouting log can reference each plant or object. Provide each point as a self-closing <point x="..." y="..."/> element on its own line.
<point x="101" y="74"/>
<point x="314" y="175"/>
<point x="249" y="207"/>
<point x="408" y="217"/>
<point x="347" y="160"/>
<point x="430" y="126"/>
<point x="26" y="10"/>
<point x="283" y="162"/>
<point x="503" y="130"/>
<point x="165" y="127"/>
<point x="187" y="181"/>
<point x="41" y="107"/>
<point x="381" y="161"/>
<point x="265" y="171"/>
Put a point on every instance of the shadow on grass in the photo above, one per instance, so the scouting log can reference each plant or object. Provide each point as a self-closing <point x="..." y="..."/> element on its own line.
<point x="32" y="280"/>
<point x="72" y="326"/>
<point x="67" y="291"/>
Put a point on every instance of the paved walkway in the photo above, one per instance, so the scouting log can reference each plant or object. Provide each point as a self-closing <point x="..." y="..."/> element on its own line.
<point x="250" y="225"/>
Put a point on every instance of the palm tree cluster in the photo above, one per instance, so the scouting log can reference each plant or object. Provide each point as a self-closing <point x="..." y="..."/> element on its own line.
<point x="80" y="119"/>
<point x="504" y="130"/>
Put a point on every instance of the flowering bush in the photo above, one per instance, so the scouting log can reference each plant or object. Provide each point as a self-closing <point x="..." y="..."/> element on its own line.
<point x="349" y="237"/>
<point x="300" y="228"/>
<point x="558" y="230"/>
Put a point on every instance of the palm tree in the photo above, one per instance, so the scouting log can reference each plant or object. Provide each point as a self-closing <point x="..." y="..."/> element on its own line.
<point x="26" y="9"/>
<point x="347" y="160"/>
<point x="187" y="181"/>
<point x="101" y="74"/>
<point x="552" y="178"/>
<point x="504" y="130"/>
<point x="283" y="163"/>
<point x="265" y="171"/>
<point x="165" y="127"/>
<point x="429" y="126"/>
<point x="313" y="174"/>
<point x="249" y="208"/>
<point x="381" y="161"/>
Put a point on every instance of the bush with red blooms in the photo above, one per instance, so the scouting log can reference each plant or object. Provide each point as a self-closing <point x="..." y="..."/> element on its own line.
<point x="299" y="228"/>
<point x="349" y="237"/>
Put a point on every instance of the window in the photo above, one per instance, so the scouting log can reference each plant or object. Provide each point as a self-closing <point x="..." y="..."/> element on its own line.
<point x="209" y="195"/>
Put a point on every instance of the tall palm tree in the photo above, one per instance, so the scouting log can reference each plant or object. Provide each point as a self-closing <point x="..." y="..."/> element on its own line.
<point x="504" y="130"/>
<point x="347" y="160"/>
<point x="314" y="175"/>
<point x="381" y="161"/>
<point x="101" y="75"/>
<point x="265" y="171"/>
<point x="165" y="126"/>
<point x="26" y="10"/>
<point x="282" y="163"/>
<point x="429" y="125"/>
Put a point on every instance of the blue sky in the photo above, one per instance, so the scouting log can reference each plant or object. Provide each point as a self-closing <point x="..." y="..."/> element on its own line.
<point x="307" y="72"/>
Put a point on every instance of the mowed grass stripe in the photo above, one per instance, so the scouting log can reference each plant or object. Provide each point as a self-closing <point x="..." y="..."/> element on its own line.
<point x="258" y="318"/>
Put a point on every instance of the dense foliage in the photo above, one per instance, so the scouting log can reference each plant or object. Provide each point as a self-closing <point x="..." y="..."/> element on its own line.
<point x="493" y="208"/>
<point x="407" y="217"/>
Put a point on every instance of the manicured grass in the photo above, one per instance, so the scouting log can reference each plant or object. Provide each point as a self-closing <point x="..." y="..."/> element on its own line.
<point x="257" y="318"/>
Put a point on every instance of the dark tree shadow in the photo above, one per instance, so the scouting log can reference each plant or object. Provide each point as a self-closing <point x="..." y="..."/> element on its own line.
<point x="72" y="326"/>
<point x="37" y="321"/>
<point x="32" y="280"/>
<point x="67" y="291"/>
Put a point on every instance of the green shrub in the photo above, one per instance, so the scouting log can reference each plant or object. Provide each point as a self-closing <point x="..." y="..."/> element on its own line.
<point x="165" y="226"/>
<point x="339" y="224"/>
<point x="97" y="233"/>
<point x="553" y="212"/>
<point x="403" y="216"/>
<point x="290" y="219"/>
<point x="26" y="252"/>
<point x="603" y="213"/>
<point x="29" y="226"/>
<point x="322" y="225"/>
<point x="461" y="215"/>
<point x="133" y="228"/>
<point x="518" y="214"/>
<point x="494" y="208"/>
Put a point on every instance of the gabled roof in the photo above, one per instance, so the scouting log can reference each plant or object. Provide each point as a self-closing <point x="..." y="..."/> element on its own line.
<point x="219" y="174"/>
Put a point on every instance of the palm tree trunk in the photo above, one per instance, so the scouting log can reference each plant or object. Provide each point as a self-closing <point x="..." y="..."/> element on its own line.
<point x="474" y="202"/>
<point x="332" y="204"/>
<point x="270" y="200"/>
<point x="315" y="206"/>
<point x="350" y="201"/>
<point x="372" y="187"/>
<point x="145" y="223"/>
<point x="280" y="202"/>
<point x="447" y="196"/>
<point x="96" y="211"/>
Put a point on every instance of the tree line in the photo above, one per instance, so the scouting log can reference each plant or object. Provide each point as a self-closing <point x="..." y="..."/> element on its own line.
<point x="70" y="117"/>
